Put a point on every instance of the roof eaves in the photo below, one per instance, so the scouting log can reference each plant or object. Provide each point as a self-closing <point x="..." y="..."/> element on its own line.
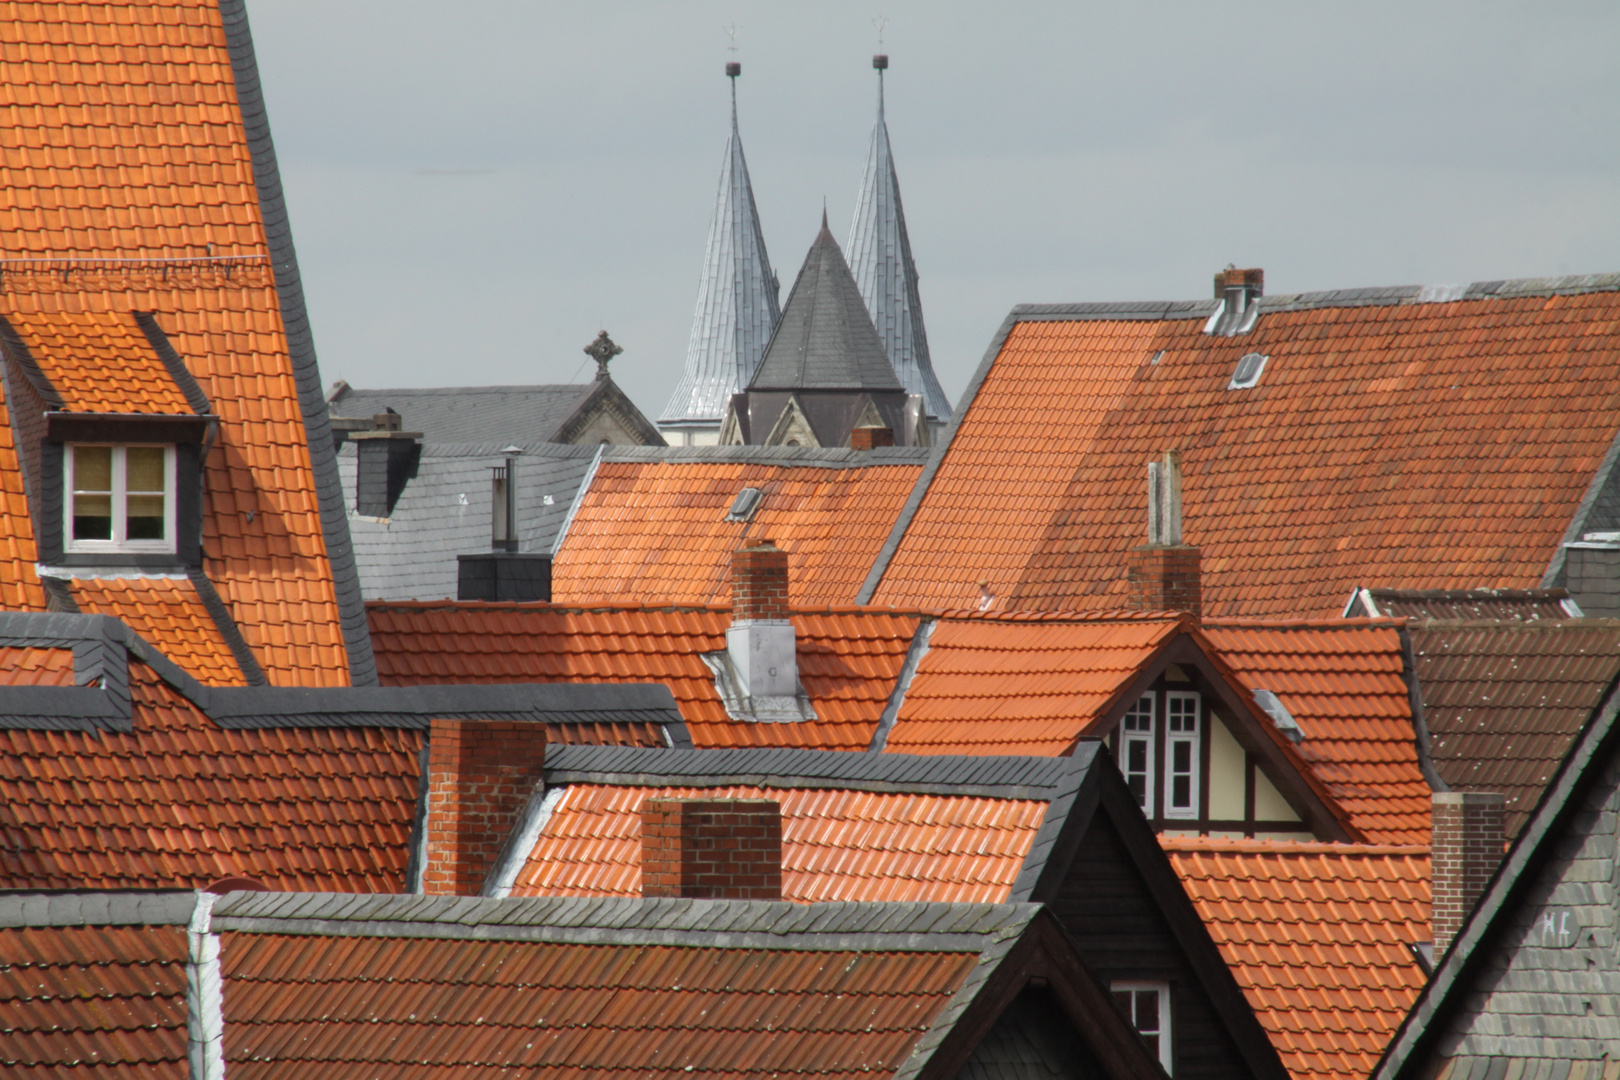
<point x="1069" y="812"/>
<point x="300" y="344"/>
<point x="1405" y="1053"/>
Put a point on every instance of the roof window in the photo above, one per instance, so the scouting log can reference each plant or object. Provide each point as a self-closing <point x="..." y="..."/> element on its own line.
<point x="1280" y="716"/>
<point x="1248" y="371"/>
<point x="745" y="505"/>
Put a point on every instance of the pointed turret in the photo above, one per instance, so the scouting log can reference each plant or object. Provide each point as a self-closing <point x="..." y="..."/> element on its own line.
<point x="880" y="259"/>
<point x="737" y="305"/>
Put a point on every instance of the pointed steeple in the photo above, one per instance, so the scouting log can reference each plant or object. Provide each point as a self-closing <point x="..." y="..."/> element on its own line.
<point x="880" y="259"/>
<point x="826" y="340"/>
<point x="737" y="305"/>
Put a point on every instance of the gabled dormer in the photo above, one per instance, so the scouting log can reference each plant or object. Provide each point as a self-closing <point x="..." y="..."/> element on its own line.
<point x="112" y="430"/>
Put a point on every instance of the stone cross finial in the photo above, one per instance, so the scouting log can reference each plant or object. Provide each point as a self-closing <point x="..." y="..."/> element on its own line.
<point x="602" y="350"/>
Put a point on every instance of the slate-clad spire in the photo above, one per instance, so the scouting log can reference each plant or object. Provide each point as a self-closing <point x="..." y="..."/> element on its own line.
<point x="880" y="259"/>
<point x="737" y="298"/>
<point x="826" y="340"/>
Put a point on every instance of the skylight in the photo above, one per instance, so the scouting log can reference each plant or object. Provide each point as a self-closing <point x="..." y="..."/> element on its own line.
<point x="1248" y="371"/>
<point x="745" y="504"/>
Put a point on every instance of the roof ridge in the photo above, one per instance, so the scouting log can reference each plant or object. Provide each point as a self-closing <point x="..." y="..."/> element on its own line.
<point x="1240" y="845"/>
<point x="1382" y="622"/>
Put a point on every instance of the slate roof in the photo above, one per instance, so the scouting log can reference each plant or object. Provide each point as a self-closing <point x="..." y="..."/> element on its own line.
<point x="849" y="659"/>
<point x="139" y="176"/>
<point x="118" y="770"/>
<point x="1504" y="393"/>
<point x="825" y="339"/>
<point x="652" y="524"/>
<point x="1022" y="687"/>
<point x="880" y="261"/>
<point x="1345" y="683"/>
<point x="1520" y="604"/>
<point x="737" y="304"/>
<point x="1504" y="701"/>
<point x="350" y="986"/>
<point x="1507" y="994"/>
<point x="1318" y="936"/>
<point x="468" y="414"/>
<point x="445" y="510"/>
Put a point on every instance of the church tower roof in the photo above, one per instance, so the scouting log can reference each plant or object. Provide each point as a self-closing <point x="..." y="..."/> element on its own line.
<point x="826" y="340"/>
<point x="737" y="306"/>
<point x="880" y="258"/>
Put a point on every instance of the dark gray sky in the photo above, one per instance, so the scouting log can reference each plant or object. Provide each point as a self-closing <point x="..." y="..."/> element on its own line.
<point x="478" y="187"/>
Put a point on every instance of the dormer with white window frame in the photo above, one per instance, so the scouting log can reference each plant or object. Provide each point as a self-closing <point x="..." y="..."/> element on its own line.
<point x="112" y="432"/>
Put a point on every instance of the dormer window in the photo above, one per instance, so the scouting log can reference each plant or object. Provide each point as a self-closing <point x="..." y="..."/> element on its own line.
<point x="120" y="498"/>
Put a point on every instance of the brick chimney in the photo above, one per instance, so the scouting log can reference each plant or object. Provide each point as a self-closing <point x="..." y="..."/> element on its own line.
<point x="711" y="849"/>
<point x="480" y="776"/>
<point x="1239" y="292"/>
<point x="1466" y="847"/>
<point x="760" y="638"/>
<point x="869" y="438"/>
<point x="1164" y="573"/>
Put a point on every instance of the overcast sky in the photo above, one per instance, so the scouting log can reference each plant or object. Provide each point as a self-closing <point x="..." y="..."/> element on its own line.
<point x="478" y="187"/>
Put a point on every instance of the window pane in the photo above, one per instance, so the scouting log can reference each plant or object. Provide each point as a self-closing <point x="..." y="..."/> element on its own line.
<point x="1136" y="756"/>
<point x="143" y="467"/>
<point x="144" y="517"/>
<point x="1147" y="1011"/>
<point x="92" y="517"/>
<point x="1181" y="756"/>
<point x="1181" y="792"/>
<point x="1138" y="785"/>
<point x="92" y="469"/>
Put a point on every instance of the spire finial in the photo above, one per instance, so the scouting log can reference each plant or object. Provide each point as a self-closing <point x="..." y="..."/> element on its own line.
<point x="733" y="67"/>
<point x="824" y="213"/>
<point x="602" y="350"/>
<point x="881" y="60"/>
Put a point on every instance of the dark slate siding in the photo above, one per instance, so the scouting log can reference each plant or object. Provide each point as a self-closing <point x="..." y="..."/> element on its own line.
<point x="1033" y="1040"/>
<point x="1106" y="907"/>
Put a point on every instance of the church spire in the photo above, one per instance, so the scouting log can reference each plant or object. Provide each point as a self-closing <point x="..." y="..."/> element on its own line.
<point x="737" y="305"/>
<point x="880" y="259"/>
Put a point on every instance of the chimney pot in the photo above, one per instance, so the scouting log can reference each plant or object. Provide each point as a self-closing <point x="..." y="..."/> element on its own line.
<point x="1165" y="574"/>
<point x="480" y="775"/>
<point x="760" y="640"/>
<point x="711" y="849"/>
<point x="1239" y="292"/>
<point x="1465" y="850"/>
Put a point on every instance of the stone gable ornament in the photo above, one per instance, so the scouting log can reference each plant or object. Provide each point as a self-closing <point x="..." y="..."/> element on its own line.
<point x="602" y="350"/>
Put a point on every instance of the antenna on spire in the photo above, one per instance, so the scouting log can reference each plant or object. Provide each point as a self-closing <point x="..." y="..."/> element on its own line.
<point x="881" y="60"/>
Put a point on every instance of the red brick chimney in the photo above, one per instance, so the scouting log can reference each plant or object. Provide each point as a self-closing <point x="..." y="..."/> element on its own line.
<point x="759" y="583"/>
<point x="480" y="776"/>
<point x="711" y="849"/>
<point x="866" y="438"/>
<point x="1165" y="574"/>
<point x="1466" y="847"/>
<point x="760" y="640"/>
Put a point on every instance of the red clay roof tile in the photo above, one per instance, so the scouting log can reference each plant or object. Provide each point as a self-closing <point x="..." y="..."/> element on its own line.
<point x="1341" y="680"/>
<point x="26" y="666"/>
<point x="170" y="614"/>
<point x="836" y="844"/>
<point x="1294" y="489"/>
<point x="656" y="530"/>
<point x="1317" y="936"/>
<point x="100" y="362"/>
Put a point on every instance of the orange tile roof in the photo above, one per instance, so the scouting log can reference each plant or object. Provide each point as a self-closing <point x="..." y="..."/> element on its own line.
<point x="1317" y="936"/>
<point x="1009" y="687"/>
<point x="849" y="658"/>
<point x="20" y="588"/>
<point x="1341" y="680"/>
<point x="104" y="1001"/>
<point x="168" y="613"/>
<point x="100" y="362"/>
<point x="836" y="844"/>
<point x="122" y="140"/>
<point x="656" y="530"/>
<point x="29" y="666"/>
<point x="1294" y="489"/>
<point x="179" y="802"/>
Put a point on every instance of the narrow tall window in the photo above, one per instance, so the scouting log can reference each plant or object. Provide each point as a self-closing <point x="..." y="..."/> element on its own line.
<point x="1136" y="751"/>
<point x="1147" y="1006"/>
<point x="120" y="498"/>
<point x="1181" y="743"/>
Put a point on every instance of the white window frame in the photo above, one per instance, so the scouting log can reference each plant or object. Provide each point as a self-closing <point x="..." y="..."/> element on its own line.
<point x="1194" y="740"/>
<point x="1165" y="1023"/>
<point x="1147" y="738"/>
<point x="120" y="508"/>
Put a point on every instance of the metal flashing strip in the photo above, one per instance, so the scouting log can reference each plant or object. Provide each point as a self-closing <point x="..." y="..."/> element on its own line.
<point x="908" y="671"/>
<point x="520" y="841"/>
<point x="1034" y="778"/>
<point x="579" y="498"/>
<point x="732" y="924"/>
<point x="205" y="995"/>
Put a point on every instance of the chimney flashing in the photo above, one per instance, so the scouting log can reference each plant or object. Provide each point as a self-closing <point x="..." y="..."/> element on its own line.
<point x="1239" y="292"/>
<point x="757" y="675"/>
